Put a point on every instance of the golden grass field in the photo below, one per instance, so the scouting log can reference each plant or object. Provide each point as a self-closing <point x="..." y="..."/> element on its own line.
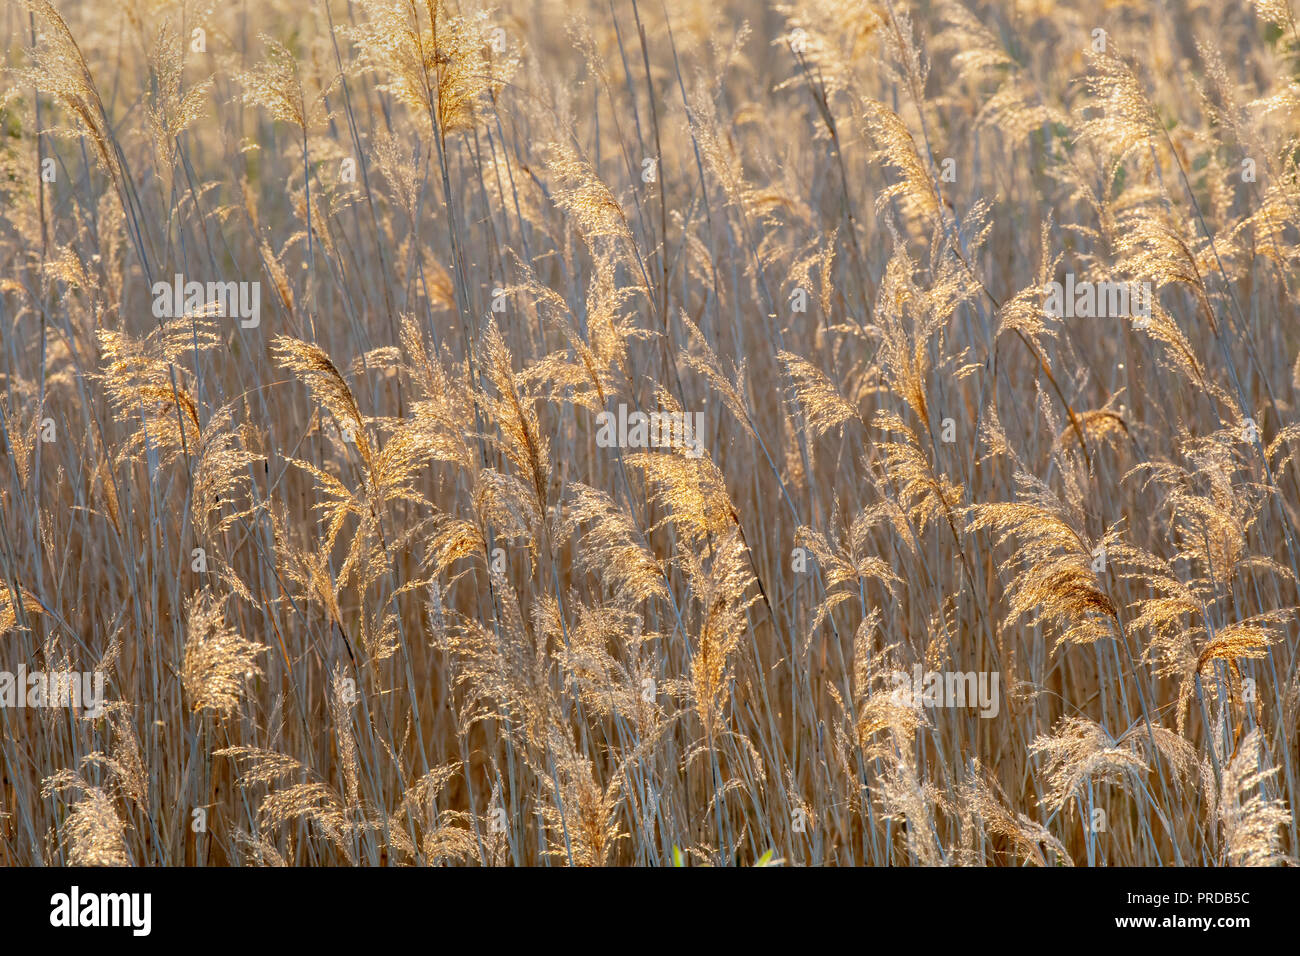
<point x="374" y="555"/>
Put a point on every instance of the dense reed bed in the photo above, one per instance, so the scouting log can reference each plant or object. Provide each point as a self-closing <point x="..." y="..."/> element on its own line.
<point x="650" y="432"/>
